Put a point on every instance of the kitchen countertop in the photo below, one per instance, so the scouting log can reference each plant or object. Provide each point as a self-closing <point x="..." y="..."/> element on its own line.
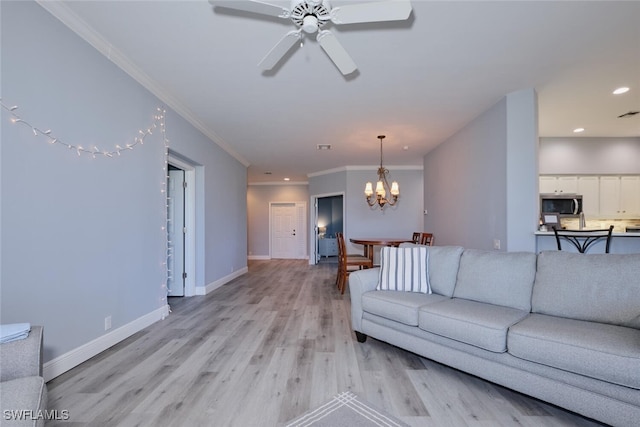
<point x="614" y="234"/>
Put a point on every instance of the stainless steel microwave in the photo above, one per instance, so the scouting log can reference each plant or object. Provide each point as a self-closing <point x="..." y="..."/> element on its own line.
<point x="566" y="205"/>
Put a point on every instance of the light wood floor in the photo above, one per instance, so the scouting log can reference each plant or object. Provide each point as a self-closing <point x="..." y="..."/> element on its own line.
<point x="264" y="349"/>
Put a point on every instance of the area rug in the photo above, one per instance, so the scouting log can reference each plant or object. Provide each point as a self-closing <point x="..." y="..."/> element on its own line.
<point x="346" y="410"/>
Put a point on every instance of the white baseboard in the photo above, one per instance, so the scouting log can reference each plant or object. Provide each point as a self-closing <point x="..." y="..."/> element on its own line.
<point x="75" y="357"/>
<point x="203" y="290"/>
<point x="259" y="257"/>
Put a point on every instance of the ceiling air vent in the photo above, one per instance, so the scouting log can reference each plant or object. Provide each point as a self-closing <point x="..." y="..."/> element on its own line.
<point x="322" y="147"/>
<point x="629" y="114"/>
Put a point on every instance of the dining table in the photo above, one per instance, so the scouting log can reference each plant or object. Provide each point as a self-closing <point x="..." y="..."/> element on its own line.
<point x="370" y="242"/>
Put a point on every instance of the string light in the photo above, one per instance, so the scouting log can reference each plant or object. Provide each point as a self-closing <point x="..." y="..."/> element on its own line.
<point x="158" y="121"/>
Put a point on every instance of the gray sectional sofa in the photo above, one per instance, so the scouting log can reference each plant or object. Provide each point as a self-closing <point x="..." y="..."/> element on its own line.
<point x="558" y="326"/>
<point x="23" y="392"/>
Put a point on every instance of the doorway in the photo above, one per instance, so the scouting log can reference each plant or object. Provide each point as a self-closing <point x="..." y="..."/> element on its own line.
<point x="180" y="227"/>
<point x="328" y="219"/>
<point x="287" y="230"/>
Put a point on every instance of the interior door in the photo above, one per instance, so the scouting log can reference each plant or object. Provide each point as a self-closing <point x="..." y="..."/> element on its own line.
<point x="283" y="231"/>
<point x="176" y="232"/>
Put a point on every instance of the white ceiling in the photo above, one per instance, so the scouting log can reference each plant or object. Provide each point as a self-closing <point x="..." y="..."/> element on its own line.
<point x="418" y="81"/>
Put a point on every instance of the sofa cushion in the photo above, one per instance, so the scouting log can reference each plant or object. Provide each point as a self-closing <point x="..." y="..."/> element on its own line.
<point x="606" y="352"/>
<point x="27" y="396"/>
<point x="443" y="265"/>
<point x="398" y="306"/>
<point x="480" y="324"/>
<point x="404" y="269"/>
<point x="595" y="287"/>
<point x="499" y="278"/>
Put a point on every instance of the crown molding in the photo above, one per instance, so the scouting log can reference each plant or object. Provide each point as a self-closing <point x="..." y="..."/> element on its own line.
<point x="281" y="183"/>
<point x="365" y="168"/>
<point x="65" y="15"/>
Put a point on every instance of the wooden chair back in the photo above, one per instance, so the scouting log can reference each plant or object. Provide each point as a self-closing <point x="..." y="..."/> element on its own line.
<point x="426" y="239"/>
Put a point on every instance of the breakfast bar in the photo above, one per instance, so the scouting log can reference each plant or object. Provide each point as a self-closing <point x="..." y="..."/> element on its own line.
<point x="621" y="243"/>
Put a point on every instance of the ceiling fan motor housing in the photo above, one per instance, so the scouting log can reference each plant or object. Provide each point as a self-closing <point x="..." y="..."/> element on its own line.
<point x="310" y="15"/>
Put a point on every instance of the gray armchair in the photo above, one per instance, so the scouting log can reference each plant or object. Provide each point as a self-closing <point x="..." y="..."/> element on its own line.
<point x="23" y="392"/>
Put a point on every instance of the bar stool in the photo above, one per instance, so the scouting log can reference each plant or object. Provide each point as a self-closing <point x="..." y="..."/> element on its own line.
<point x="583" y="239"/>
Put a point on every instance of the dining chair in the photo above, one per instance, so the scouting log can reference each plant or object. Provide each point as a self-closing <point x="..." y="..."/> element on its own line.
<point x="583" y="239"/>
<point x="427" y="239"/>
<point x="347" y="262"/>
<point x="416" y="237"/>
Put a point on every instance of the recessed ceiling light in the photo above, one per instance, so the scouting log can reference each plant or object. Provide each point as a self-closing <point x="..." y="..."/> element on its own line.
<point x="405" y="148"/>
<point x="287" y="179"/>
<point x="578" y="130"/>
<point x="621" y="90"/>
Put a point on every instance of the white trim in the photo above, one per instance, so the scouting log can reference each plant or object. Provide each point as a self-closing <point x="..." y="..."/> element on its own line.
<point x="280" y="183"/>
<point x="69" y="18"/>
<point x="75" y="357"/>
<point x="203" y="290"/>
<point x="366" y="168"/>
<point x="190" y="220"/>
<point x="259" y="257"/>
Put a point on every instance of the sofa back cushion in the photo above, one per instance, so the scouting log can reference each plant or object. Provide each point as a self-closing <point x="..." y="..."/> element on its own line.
<point x="500" y="278"/>
<point x="444" y="262"/>
<point x="601" y="288"/>
<point x="442" y="266"/>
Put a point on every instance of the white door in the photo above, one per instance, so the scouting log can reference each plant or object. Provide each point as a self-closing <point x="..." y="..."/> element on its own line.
<point x="288" y="230"/>
<point x="283" y="230"/>
<point x="176" y="230"/>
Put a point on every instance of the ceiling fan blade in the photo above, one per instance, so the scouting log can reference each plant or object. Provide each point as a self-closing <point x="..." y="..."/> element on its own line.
<point x="280" y="49"/>
<point x="336" y="52"/>
<point x="391" y="10"/>
<point x="253" y="6"/>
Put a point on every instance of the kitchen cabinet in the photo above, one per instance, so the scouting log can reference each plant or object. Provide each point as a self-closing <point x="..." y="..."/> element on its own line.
<point x="327" y="247"/>
<point x="589" y="188"/>
<point x="558" y="184"/>
<point x="620" y="196"/>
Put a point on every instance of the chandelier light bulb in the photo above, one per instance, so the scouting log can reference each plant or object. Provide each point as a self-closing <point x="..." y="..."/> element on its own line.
<point x="368" y="189"/>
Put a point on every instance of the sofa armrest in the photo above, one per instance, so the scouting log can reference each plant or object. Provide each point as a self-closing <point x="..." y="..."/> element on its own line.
<point x="361" y="281"/>
<point x="22" y="358"/>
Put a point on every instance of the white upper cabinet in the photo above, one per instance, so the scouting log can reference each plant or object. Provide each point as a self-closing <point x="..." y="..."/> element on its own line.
<point x="558" y="184"/>
<point x="603" y="196"/>
<point x="630" y="195"/>
<point x="620" y="196"/>
<point x="589" y="187"/>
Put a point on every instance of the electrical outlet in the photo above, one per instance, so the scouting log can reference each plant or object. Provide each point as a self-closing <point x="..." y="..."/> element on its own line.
<point x="496" y="243"/>
<point x="107" y="323"/>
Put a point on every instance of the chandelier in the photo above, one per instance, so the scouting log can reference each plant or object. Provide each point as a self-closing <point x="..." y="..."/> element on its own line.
<point x="382" y="186"/>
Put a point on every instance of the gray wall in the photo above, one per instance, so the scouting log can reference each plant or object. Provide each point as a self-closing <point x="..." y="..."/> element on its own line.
<point x="82" y="238"/>
<point x="481" y="179"/>
<point x="585" y="156"/>
<point x="258" y="199"/>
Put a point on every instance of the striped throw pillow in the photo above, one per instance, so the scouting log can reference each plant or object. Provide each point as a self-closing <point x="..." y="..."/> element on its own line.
<point x="404" y="269"/>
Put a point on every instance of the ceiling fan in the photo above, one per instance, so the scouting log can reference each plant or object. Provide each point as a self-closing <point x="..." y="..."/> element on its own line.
<point x="311" y="15"/>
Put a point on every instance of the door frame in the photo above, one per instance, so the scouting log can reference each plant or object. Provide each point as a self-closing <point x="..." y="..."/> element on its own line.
<point x="189" y="220"/>
<point x="313" y="222"/>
